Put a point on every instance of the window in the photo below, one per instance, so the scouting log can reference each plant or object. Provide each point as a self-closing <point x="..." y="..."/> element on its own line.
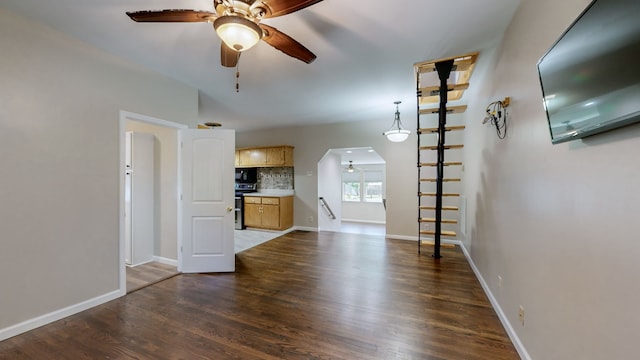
<point x="373" y="191"/>
<point x="351" y="191"/>
<point x="363" y="186"/>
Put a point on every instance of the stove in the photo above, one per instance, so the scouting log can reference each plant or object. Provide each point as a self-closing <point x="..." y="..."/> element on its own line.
<point x="242" y="188"/>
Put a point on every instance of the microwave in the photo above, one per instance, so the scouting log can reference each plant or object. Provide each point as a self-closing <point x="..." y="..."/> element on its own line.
<point x="247" y="175"/>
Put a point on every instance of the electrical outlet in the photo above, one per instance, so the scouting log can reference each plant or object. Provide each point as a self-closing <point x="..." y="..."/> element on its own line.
<point x="521" y="315"/>
<point x="310" y="219"/>
<point x="499" y="281"/>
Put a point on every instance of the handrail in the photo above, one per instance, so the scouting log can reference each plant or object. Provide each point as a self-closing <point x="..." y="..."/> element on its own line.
<point x="324" y="204"/>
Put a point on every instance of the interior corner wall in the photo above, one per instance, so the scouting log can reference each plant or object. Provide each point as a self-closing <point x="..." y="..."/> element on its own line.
<point x="60" y="102"/>
<point x="330" y="188"/>
<point x="312" y="142"/>
<point x="558" y="223"/>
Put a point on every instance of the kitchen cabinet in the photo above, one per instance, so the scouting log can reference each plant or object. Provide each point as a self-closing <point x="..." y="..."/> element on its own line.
<point x="251" y="157"/>
<point x="268" y="212"/>
<point x="267" y="156"/>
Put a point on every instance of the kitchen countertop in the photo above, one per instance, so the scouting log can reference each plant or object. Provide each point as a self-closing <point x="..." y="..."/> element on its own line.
<point x="272" y="193"/>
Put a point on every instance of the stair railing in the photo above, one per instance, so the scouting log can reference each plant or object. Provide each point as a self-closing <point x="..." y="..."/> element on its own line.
<point x="324" y="204"/>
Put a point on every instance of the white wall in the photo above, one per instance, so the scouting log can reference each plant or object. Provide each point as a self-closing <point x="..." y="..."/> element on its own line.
<point x="60" y="102"/>
<point x="558" y="223"/>
<point x="166" y="187"/>
<point x="366" y="212"/>
<point x="312" y="142"/>
<point x="330" y="188"/>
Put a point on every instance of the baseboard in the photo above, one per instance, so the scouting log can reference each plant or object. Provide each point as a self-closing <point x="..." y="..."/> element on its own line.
<point x="522" y="351"/>
<point x="401" y="237"/>
<point x="377" y="222"/>
<point x="45" y="319"/>
<point x="166" y="261"/>
<point x="415" y="238"/>
<point x="305" y="228"/>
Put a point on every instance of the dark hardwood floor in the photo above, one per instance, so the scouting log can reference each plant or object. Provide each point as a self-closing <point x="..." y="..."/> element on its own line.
<point x="147" y="274"/>
<point x="304" y="295"/>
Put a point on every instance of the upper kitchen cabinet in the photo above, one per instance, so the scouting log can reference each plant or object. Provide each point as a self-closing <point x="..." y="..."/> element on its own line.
<point x="267" y="156"/>
<point x="251" y="157"/>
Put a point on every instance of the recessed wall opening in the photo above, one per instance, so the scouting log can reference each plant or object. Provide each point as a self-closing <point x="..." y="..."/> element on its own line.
<point x="352" y="185"/>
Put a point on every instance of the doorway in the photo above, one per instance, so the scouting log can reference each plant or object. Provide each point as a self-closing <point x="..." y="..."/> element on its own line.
<point x="164" y="250"/>
<point x="351" y="181"/>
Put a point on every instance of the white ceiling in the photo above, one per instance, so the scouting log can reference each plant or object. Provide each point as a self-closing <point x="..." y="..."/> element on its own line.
<point x="358" y="156"/>
<point x="365" y="48"/>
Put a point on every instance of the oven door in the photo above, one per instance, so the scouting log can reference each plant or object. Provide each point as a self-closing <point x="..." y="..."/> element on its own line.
<point x="239" y="213"/>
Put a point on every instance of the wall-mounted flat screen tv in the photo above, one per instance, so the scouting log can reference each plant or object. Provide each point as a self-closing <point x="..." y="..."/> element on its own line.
<point x="591" y="76"/>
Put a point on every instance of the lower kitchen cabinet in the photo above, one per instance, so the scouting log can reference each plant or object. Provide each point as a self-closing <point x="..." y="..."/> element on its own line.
<point x="266" y="212"/>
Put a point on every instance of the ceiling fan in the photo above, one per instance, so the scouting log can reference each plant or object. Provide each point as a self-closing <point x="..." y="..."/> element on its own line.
<point x="350" y="168"/>
<point x="237" y="22"/>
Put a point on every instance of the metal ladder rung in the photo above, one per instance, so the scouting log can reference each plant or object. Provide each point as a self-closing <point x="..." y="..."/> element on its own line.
<point x="446" y="147"/>
<point x="444" y="180"/>
<point x="444" y="233"/>
<point x="442" y="221"/>
<point x="447" y="208"/>
<point x="460" y="63"/>
<point x="450" y="110"/>
<point x="429" y="91"/>
<point x="432" y="243"/>
<point x="446" y="163"/>
<point x="434" y="194"/>
<point x="446" y="128"/>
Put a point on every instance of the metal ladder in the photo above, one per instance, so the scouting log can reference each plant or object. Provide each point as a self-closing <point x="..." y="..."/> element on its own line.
<point x="446" y="88"/>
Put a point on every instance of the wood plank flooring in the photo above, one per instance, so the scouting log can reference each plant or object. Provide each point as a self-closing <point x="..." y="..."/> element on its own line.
<point x="304" y="295"/>
<point x="148" y="274"/>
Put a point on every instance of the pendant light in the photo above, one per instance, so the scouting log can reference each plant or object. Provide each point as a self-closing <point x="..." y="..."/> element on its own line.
<point x="238" y="33"/>
<point x="397" y="133"/>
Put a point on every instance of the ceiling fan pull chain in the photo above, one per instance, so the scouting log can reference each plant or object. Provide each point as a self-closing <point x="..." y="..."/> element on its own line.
<point x="238" y="74"/>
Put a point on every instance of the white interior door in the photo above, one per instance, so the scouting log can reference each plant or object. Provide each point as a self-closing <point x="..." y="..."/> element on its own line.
<point x="207" y="184"/>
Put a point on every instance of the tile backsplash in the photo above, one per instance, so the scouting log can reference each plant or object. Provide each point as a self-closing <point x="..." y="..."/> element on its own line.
<point x="275" y="178"/>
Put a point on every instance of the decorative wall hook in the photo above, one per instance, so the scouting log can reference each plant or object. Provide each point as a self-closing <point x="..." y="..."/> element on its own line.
<point x="496" y="113"/>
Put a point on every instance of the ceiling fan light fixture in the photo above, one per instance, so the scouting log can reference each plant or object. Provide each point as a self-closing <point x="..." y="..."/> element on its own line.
<point x="397" y="133"/>
<point x="238" y="33"/>
<point x="350" y="168"/>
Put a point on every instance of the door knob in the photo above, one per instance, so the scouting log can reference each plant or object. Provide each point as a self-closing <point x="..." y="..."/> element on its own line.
<point x="229" y="209"/>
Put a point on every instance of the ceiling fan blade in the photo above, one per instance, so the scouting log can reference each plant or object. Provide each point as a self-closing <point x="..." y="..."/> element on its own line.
<point x="172" y="16"/>
<point x="228" y="56"/>
<point x="284" y="7"/>
<point x="286" y="44"/>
